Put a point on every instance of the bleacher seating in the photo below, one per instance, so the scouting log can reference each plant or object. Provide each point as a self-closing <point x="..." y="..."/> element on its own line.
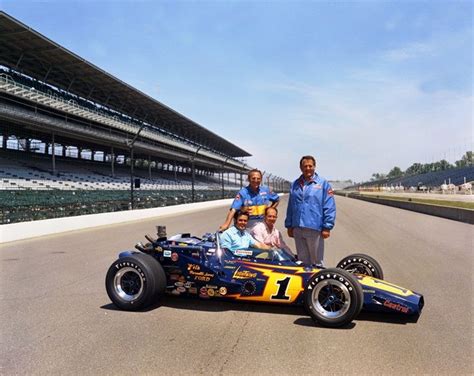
<point x="429" y="181"/>
<point x="30" y="191"/>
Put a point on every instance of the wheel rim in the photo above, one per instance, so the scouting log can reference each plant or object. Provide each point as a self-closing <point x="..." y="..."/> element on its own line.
<point x="331" y="299"/>
<point x="128" y="284"/>
<point x="360" y="268"/>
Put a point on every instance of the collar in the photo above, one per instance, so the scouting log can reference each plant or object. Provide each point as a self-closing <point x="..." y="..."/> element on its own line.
<point x="238" y="231"/>
<point x="302" y="182"/>
<point x="249" y="188"/>
<point x="268" y="228"/>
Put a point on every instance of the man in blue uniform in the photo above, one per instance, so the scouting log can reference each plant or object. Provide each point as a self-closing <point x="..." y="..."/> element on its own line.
<point x="311" y="212"/>
<point x="254" y="199"/>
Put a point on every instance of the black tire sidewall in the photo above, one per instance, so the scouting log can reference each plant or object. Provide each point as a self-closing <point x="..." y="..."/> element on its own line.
<point x="145" y="267"/>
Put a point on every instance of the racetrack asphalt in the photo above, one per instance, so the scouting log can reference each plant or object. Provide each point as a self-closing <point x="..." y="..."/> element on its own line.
<point x="56" y="318"/>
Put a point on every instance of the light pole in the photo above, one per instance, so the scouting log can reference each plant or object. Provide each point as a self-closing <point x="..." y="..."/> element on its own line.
<point x="223" y="163"/>
<point x="130" y="145"/>
<point x="193" y="173"/>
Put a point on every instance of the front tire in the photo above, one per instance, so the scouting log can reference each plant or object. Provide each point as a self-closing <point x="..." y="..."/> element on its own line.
<point x="361" y="264"/>
<point x="333" y="297"/>
<point x="133" y="282"/>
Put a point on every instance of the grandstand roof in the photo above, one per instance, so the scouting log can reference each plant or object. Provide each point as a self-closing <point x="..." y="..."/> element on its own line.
<point x="27" y="51"/>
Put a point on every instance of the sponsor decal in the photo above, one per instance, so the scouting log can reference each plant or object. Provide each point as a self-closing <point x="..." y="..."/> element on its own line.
<point x="181" y="289"/>
<point x="175" y="292"/>
<point x="167" y="253"/>
<point x="195" y="254"/>
<point x="211" y="287"/>
<point x="396" y="306"/>
<point x="369" y="291"/>
<point x="211" y="250"/>
<point x="211" y="292"/>
<point x="203" y="292"/>
<point x="179" y="284"/>
<point x="194" y="271"/>
<point x="183" y="244"/>
<point x="158" y="249"/>
<point x="249" y="288"/>
<point x="243" y="252"/>
<point x="244" y="274"/>
<point x="132" y="265"/>
<point x="174" y="257"/>
<point x="188" y="285"/>
<point x="192" y="290"/>
<point x="223" y="290"/>
<point x="330" y="192"/>
<point x="229" y="267"/>
<point x="317" y="186"/>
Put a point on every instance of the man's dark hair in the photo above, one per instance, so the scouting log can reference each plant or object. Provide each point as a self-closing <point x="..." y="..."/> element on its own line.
<point x="239" y="213"/>
<point x="310" y="157"/>
<point x="254" y="170"/>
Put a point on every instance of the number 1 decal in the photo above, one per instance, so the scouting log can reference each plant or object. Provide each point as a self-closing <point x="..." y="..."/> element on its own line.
<point x="283" y="286"/>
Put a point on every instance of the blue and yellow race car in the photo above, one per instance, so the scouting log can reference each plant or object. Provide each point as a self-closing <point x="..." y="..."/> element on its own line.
<point x="192" y="266"/>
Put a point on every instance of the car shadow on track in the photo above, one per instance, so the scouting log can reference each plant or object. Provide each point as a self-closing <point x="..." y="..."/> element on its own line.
<point x="279" y="309"/>
<point x="392" y="318"/>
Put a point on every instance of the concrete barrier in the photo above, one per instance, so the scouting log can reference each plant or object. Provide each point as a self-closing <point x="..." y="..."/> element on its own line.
<point x="26" y="230"/>
<point x="457" y="214"/>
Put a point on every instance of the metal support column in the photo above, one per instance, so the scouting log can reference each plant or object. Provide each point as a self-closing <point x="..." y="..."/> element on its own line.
<point x="53" y="147"/>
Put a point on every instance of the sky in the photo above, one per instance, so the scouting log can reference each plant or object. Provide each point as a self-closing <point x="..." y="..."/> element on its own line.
<point x="362" y="85"/>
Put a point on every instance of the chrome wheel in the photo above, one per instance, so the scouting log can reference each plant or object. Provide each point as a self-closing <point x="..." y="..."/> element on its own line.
<point x="128" y="284"/>
<point x="331" y="299"/>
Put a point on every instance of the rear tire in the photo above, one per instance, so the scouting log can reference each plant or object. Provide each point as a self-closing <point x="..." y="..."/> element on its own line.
<point x="333" y="297"/>
<point x="133" y="282"/>
<point x="361" y="264"/>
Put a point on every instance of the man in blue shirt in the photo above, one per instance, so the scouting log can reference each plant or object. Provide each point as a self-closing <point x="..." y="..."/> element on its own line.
<point x="311" y="212"/>
<point x="254" y="199"/>
<point x="237" y="238"/>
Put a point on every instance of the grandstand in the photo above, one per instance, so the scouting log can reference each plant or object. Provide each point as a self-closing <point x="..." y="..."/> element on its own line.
<point x="76" y="140"/>
<point x="431" y="181"/>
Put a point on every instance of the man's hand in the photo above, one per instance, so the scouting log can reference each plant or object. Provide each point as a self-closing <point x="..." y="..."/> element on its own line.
<point x="290" y="232"/>
<point x="325" y="234"/>
<point x="223" y="227"/>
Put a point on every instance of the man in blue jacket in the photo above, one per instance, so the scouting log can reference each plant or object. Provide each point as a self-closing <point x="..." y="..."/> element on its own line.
<point x="311" y="212"/>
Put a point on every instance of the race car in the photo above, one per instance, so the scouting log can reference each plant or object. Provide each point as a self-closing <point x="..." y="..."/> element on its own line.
<point x="187" y="265"/>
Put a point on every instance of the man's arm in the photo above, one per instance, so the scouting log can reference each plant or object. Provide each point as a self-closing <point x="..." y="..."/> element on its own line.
<point x="226" y="241"/>
<point x="261" y="246"/>
<point x="256" y="244"/>
<point x="228" y="220"/>
<point x="329" y="211"/>
<point x="289" y="215"/>
<point x="274" y="199"/>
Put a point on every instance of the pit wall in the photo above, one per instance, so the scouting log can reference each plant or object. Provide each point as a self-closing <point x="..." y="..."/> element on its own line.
<point x="25" y="230"/>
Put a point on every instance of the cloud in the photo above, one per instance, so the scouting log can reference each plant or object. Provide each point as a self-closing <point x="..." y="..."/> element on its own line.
<point x="410" y="51"/>
<point x="368" y="123"/>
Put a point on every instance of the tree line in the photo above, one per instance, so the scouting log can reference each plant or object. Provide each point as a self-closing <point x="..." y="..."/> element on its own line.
<point x="422" y="168"/>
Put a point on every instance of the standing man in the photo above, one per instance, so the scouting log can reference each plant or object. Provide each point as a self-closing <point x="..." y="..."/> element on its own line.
<point x="311" y="212"/>
<point x="253" y="199"/>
